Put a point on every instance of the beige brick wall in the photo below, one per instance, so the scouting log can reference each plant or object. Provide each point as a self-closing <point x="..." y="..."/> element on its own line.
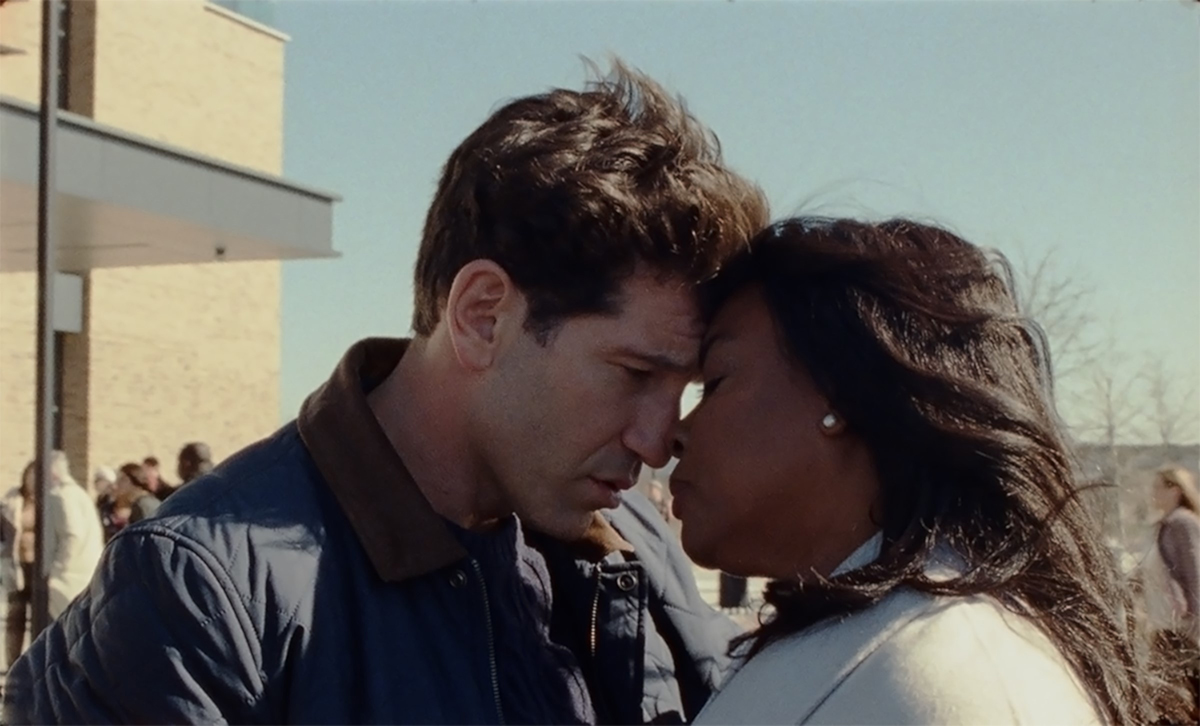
<point x="21" y="27"/>
<point x="179" y="353"/>
<point x="169" y="354"/>
<point x="178" y="73"/>
<point x="18" y="371"/>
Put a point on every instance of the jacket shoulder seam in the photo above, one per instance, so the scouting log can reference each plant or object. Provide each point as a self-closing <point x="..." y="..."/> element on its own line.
<point x="222" y="577"/>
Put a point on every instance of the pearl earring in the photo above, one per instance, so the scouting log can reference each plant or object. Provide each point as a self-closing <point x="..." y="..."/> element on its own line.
<point x="829" y="421"/>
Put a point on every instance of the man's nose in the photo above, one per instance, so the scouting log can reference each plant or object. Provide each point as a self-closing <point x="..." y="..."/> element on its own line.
<point x="651" y="434"/>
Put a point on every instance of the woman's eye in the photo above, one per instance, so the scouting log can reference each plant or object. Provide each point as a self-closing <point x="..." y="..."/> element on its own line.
<point x="638" y="374"/>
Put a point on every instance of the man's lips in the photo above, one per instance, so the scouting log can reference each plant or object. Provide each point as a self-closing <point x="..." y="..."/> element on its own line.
<point x="620" y="485"/>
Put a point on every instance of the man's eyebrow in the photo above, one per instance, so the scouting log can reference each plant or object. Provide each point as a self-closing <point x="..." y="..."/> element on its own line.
<point x="708" y="342"/>
<point x="658" y="361"/>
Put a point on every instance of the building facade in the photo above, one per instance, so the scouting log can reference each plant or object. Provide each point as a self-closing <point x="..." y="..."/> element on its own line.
<point x="171" y="226"/>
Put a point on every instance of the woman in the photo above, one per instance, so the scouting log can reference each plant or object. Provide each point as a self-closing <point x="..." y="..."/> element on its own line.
<point x="876" y="436"/>
<point x="19" y="519"/>
<point x="1172" y="572"/>
<point x="133" y="493"/>
<point x="74" y="540"/>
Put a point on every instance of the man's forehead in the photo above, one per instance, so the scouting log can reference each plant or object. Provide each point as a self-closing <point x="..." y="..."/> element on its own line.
<point x="656" y="320"/>
<point x="671" y="334"/>
<point x="662" y="301"/>
<point x="677" y="359"/>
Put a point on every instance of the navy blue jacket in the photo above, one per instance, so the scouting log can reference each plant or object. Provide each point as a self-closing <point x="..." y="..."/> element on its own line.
<point x="257" y="595"/>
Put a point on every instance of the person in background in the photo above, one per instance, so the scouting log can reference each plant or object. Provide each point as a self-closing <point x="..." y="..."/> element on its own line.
<point x="105" y="482"/>
<point x="73" y="540"/>
<point x="1171" y="576"/>
<point x="17" y="521"/>
<point x="135" y="494"/>
<point x="195" y="460"/>
<point x="877" y="436"/>
<point x="158" y="487"/>
<point x="657" y="494"/>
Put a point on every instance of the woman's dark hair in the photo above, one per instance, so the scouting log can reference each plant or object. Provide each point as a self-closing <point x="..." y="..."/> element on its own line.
<point x="137" y="474"/>
<point x="27" y="485"/>
<point x="915" y="338"/>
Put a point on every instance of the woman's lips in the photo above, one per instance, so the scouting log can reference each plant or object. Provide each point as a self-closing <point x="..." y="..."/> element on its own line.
<point x="678" y="488"/>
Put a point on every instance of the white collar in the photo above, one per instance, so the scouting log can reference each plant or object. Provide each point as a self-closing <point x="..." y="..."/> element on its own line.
<point x="866" y="553"/>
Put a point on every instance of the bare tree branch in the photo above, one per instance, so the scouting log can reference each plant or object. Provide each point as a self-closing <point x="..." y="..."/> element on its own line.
<point x="1171" y="403"/>
<point x="1063" y="307"/>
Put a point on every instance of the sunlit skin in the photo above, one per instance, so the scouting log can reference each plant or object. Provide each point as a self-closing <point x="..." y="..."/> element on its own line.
<point x="763" y="487"/>
<point x="1166" y="497"/>
<point x="28" y="482"/>
<point x="491" y="420"/>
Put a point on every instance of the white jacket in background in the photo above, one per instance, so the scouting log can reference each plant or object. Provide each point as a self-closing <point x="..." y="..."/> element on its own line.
<point x="74" y="542"/>
<point x="912" y="659"/>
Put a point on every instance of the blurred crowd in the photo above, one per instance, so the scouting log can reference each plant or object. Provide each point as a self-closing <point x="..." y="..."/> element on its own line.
<point x="81" y="517"/>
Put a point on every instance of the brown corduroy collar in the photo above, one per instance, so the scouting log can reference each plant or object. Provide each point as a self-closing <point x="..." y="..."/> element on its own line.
<point x="396" y="525"/>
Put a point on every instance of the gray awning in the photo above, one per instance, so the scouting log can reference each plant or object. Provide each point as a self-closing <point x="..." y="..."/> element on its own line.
<point x="127" y="201"/>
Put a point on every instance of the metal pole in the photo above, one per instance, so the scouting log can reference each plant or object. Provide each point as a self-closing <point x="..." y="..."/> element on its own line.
<point x="48" y="123"/>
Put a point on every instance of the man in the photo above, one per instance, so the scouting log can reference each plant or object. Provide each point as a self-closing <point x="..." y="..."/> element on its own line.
<point x="195" y="460"/>
<point x="133" y="489"/>
<point x="365" y="564"/>
<point x="158" y="487"/>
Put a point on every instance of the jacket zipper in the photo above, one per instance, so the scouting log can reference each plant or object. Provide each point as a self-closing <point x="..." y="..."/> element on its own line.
<point x="595" y="616"/>
<point x="491" y="635"/>
<point x="599" y="697"/>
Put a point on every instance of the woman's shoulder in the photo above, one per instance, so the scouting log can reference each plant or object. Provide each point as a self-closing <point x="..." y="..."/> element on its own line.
<point x="913" y="658"/>
<point x="1182" y="519"/>
<point x="146" y="504"/>
<point x="970" y="659"/>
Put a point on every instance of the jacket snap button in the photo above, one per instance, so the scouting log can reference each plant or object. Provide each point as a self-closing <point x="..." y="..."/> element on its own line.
<point x="458" y="578"/>
<point x="627" y="581"/>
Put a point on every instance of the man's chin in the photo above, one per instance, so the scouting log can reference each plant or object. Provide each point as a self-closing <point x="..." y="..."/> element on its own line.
<point x="560" y="527"/>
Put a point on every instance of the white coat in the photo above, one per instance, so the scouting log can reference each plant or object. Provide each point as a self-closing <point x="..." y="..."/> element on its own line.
<point x="74" y="542"/>
<point x="911" y="659"/>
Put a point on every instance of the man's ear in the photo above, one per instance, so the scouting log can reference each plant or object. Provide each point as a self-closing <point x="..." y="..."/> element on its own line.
<point x="483" y="308"/>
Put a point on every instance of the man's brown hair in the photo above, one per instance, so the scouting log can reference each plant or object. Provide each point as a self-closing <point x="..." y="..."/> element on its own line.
<point x="137" y="474"/>
<point x="571" y="191"/>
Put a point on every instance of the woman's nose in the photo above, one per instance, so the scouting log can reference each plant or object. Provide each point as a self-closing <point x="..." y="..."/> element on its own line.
<point x="679" y="436"/>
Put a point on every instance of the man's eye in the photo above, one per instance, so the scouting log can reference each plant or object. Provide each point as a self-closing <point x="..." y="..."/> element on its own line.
<point x="711" y="384"/>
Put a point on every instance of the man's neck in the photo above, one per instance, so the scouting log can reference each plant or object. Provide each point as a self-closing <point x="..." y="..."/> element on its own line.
<point x="420" y="410"/>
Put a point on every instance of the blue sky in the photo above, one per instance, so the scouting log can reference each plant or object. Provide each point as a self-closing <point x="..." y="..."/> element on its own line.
<point x="1038" y="126"/>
